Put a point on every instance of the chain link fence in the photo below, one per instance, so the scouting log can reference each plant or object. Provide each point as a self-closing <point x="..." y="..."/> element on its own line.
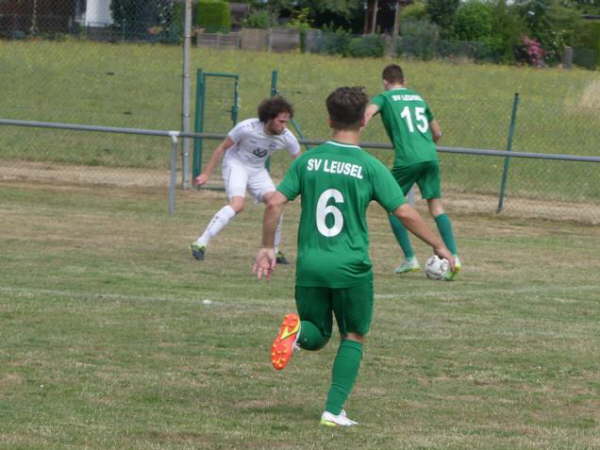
<point x="111" y="20"/>
<point x="72" y="80"/>
<point x="566" y="123"/>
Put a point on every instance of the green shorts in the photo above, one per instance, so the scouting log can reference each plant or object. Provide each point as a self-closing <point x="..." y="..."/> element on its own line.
<point x="352" y="308"/>
<point x="426" y="174"/>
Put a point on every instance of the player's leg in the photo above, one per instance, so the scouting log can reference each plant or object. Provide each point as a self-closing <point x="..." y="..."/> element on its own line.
<point x="260" y="185"/>
<point x="410" y="263"/>
<point x="310" y="329"/>
<point x="315" y="311"/>
<point x="235" y="177"/>
<point x="430" y="186"/>
<point x="353" y="309"/>
<point x="444" y="226"/>
<point x="405" y="178"/>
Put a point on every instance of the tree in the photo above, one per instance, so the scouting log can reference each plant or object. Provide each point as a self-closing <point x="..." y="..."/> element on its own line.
<point x="507" y="29"/>
<point x="474" y="21"/>
<point x="136" y="16"/>
<point x="585" y="6"/>
<point x="552" y="24"/>
<point x="441" y="12"/>
<point x="335" y="13"/>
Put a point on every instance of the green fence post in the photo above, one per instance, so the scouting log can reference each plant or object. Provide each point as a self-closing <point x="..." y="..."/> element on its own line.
<point x="198" y="124"/>
<point x="274" y="76"/>
<point x="511" y="133"/>
<point x="236" y="101"/>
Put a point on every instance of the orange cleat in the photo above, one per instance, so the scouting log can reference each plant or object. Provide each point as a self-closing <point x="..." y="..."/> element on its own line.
<point x="285" y="343"/>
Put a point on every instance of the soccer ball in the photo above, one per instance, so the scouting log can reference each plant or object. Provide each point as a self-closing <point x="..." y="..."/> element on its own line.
<point x="436" y="268"/>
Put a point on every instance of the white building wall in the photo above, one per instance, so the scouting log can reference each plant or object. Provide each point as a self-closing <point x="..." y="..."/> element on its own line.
<point x="97" y="13"/>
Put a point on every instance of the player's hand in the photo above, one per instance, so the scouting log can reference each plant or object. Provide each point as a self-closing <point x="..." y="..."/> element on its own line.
<point x="443" y="252"/>
<point x="264" y="263"/>
<point x="201" y="179"/>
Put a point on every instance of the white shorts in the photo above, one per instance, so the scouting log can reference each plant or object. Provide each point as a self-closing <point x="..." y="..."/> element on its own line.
<point x="239" y="178"/>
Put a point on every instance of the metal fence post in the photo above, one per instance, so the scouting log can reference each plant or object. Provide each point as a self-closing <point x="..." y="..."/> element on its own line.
<point x="198" y="123"/>
<point x="173" y="175"/>
<point x="274" y="76"/>
<point x="185" y="107"/>
<point x="236" y="101"/>
<point x="274" y="92"/>
<point x="511" y="133"/>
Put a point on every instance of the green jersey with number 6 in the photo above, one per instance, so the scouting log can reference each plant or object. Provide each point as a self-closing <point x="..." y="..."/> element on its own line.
<point x="336" y="183"/>
<point x="406" y="117"/>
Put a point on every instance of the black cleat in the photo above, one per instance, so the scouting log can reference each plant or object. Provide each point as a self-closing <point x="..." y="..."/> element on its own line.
<point x="281" y="259"/>
<point x="198" y="251"/>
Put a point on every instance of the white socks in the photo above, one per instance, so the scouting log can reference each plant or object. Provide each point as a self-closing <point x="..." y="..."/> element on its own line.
<point x="217" y="223"/>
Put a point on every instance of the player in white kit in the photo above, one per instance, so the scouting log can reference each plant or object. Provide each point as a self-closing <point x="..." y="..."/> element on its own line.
<point x="246" y="149"/>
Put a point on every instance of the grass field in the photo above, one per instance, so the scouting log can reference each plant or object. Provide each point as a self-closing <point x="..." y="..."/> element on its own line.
<point x="114" y="337"/>
<point x="129" y="85"/>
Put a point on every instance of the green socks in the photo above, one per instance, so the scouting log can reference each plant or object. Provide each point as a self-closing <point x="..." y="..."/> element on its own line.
<point x="401" y="234"/>
<point x="445" y="228"/>
<point x="345" y="370"/>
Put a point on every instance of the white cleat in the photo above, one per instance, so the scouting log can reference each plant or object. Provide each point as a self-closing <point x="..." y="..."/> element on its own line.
<point x="341" y="420"/>
<point x="409" y="265"/>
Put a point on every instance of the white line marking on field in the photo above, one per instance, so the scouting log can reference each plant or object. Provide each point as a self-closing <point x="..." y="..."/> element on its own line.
<point x="246" y="302"/>
<point x="226" y="301"/>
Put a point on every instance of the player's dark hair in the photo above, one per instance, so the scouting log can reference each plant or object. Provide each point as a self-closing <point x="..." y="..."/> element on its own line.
<point x="393" y="74"/>
<point x="346" y="107"/>
<point x="272" y="107"/>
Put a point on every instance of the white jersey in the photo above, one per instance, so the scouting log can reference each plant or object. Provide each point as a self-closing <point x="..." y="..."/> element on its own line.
<point x="253" y="145"/>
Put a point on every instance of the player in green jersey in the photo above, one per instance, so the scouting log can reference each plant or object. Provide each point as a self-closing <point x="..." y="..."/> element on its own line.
<point x="413" y="130"/>
<point x="336" y="182"/>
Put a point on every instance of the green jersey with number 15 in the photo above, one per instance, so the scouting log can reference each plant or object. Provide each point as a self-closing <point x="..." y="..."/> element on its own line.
<point x="336" y="183"/>
<point x="406" y="118"/>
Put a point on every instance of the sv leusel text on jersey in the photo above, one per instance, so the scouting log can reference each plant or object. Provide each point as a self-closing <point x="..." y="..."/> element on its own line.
<point x="332" y="166"/>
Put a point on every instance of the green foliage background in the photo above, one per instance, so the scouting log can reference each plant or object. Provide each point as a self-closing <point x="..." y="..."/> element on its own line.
<point x="213" y="15"/>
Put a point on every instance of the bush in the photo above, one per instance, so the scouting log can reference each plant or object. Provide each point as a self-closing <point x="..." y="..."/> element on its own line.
<point x="416" y="11"/>
<point x="473" y="21"/>
<point x="507" y="27"/>
<point x="473" y="50"/>
<point x="371" y="46"/>
<point x="551" y="24"/>
<point x="531" y="52"/>
<point x="335" y="42"/>
<point x="174" y="32"/>
<point x="587" y="45"/>
<point x="135" y="17"/>
<point x="419" y="39"/>
<point x="442" y="13"/>
<point x="258" y="19"/>
<point x="214" y="16"/>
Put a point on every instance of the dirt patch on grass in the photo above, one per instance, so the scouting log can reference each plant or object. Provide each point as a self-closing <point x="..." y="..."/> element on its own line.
<point x="525" y="208"/>
<point x="456" y="203"/>
<point x="10" y="379"/>
<point x="69" y="174"/>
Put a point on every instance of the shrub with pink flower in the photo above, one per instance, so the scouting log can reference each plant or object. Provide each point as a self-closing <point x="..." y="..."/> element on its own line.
<point x="533" y="51"/>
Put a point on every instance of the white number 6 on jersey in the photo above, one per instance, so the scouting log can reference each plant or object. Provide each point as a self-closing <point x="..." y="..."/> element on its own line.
<point x="323" y="211"/>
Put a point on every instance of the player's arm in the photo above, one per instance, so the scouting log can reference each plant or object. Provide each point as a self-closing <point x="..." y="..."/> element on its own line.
<point x="436" y="130"/>
<point x="214" y="160"/>
<point x="371" y="110"/>
<point x="294" y="148"/>
<point x="413" y="221"/>
<point x="265" y="258"/>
